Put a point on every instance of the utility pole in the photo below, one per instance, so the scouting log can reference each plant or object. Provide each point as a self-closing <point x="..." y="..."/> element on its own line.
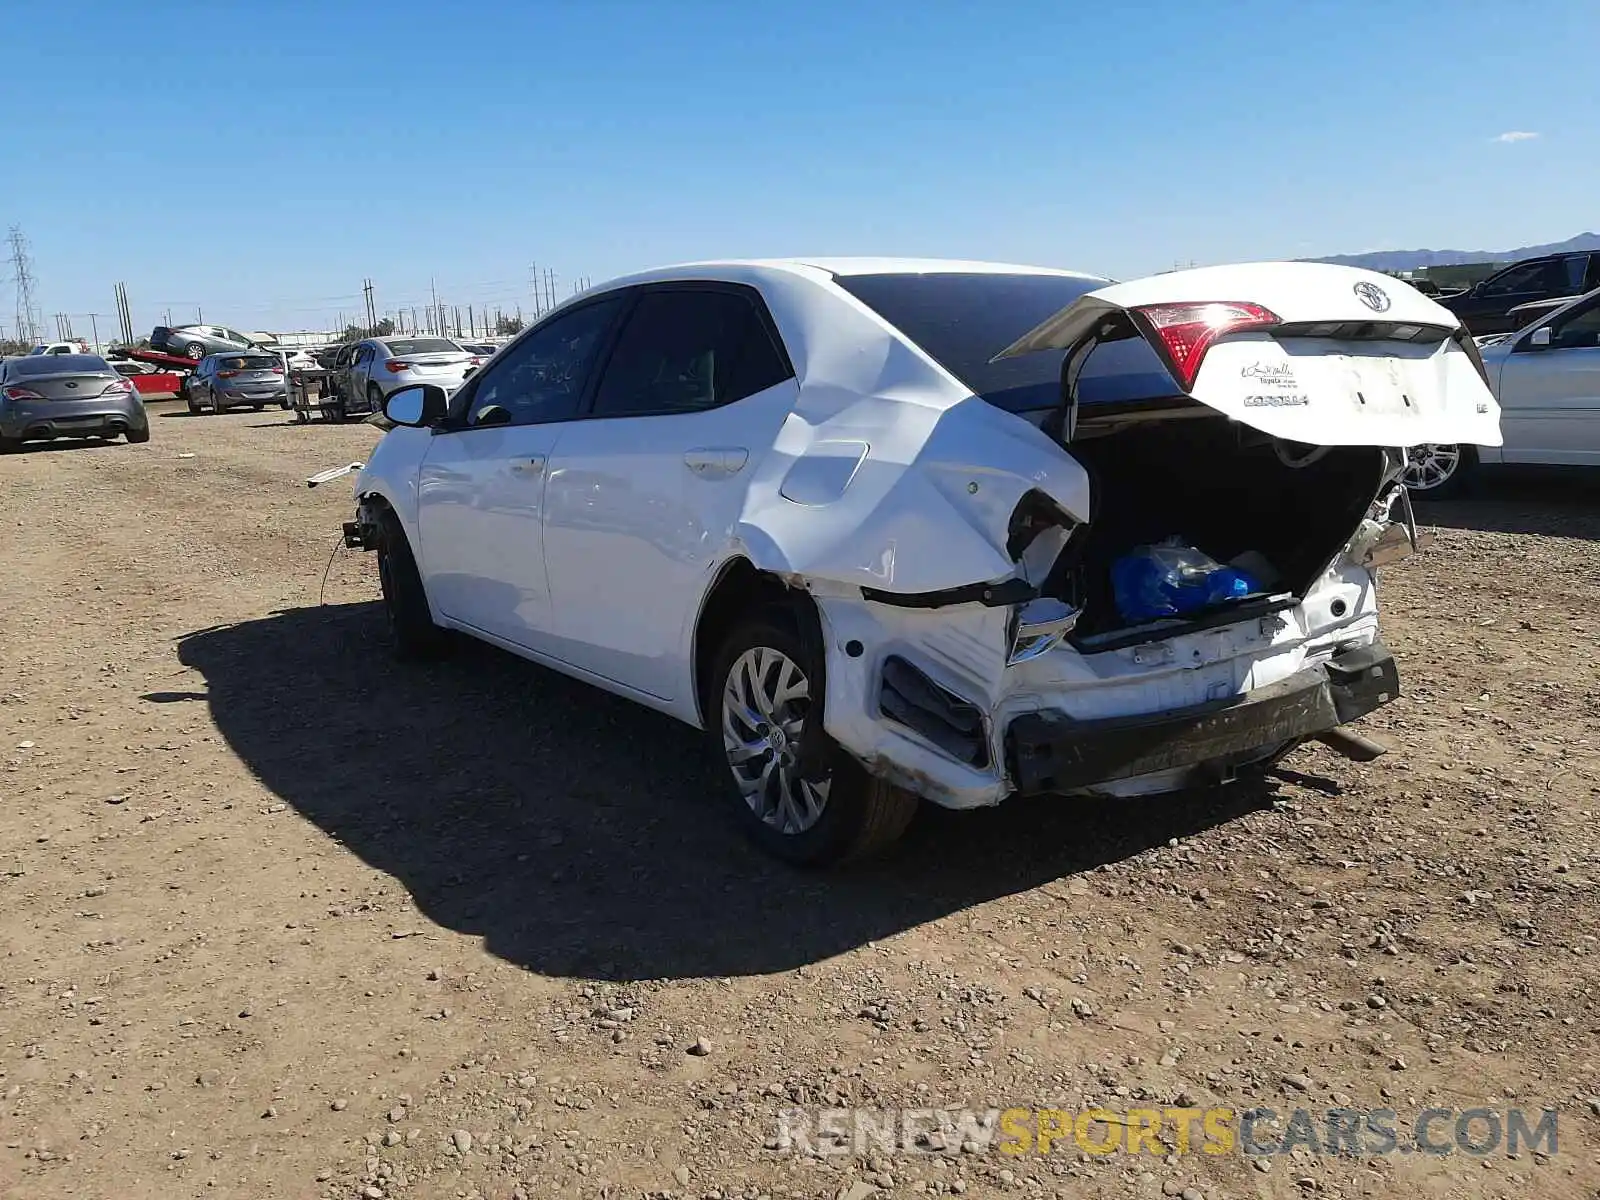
<point x="94" y="332"/>
<point x="124" y="316"/>
<point x="433" y="316"/>
<point x="22" y="280"/>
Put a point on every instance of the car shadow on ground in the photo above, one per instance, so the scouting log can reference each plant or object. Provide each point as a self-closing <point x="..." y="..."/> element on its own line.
<point x="580" y="835"/>
<point x="64" y="444"/>
<point x="1552" y="501"/>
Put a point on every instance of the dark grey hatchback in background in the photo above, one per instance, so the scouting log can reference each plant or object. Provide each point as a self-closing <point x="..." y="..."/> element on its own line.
<point x="47" y="396"/>
<point x="237" y="379"/>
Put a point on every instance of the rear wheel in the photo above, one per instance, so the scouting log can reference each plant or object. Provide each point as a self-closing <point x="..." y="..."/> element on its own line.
<point x="1438" y="471"/>
<point x="9" y="445"/>
<point x="374" y="398"/>
<point x="795" y="792"/>
<point x="136" y="436"/>
<point x="195" y="351"/>
<point x="413" y="635"/>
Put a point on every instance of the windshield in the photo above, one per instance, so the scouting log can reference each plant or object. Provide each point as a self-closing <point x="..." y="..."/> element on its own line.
<point x="422" y="346"/>
<point x="963" y="320"/>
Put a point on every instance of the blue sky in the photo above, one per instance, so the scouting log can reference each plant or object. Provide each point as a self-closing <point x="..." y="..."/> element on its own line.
<point x="260" y="159"/>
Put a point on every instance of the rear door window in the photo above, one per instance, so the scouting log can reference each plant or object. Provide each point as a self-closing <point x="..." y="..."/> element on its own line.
<point x="1575" y="266"/>
<point x="687" y="351"/>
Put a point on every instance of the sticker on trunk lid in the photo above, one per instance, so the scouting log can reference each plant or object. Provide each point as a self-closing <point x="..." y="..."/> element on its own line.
<point x="1270" y="375"/>
<point x="1282" y="400"/>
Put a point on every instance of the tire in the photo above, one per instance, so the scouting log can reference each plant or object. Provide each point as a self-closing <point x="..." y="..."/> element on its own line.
<point x="10" y="445"/>
<point x="195" y="351"/>
<point x="301" y="417"/>
<point x="852" y="814"/>
<point x="1439" y="471"/>
<point x="412" y="634"/>
<point x="257" y="407"/>
<point x="374" y="397"/>
<point x="137" y="437"/>
<point x="194" y="405"/>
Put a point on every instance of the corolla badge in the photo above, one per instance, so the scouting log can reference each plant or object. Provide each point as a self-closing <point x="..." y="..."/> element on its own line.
<point x="1373" y="296"/>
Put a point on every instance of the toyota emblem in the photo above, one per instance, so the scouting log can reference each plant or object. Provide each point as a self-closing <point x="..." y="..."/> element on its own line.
<point x="1373" y="296"/>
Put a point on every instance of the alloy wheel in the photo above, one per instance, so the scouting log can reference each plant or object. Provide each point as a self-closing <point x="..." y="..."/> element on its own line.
<point x="1430" y="466"/>
<point x="765" y="703"/>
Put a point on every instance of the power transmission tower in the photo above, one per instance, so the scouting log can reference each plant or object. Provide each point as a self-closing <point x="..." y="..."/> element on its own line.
<point x="27" y="316"/>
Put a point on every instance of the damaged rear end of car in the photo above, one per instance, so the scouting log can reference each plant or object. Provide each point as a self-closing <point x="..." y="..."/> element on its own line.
<point x="1190" y="593"/>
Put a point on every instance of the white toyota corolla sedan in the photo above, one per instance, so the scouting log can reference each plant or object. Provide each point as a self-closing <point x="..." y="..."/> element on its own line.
<point x="897" y="530"/>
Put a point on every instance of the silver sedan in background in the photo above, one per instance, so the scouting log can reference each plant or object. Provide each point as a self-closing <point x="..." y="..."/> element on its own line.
<point x="378" y="366"/>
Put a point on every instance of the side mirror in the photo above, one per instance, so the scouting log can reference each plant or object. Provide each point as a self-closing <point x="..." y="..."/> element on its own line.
<point x="1540" y="337"/>
<point x="468" y="374"/>
<point x="417" y="406"/>
<point x="492" y="414"/>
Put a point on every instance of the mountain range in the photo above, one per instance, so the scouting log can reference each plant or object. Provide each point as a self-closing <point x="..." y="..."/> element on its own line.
<point x="1411" y="260"/>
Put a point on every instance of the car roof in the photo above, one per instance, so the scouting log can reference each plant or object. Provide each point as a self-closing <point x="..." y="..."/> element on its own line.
<point x="823" y="268"/>
<point x="58" y="364"/>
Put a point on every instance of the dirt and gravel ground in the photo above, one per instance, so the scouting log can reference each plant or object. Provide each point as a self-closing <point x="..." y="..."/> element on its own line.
<point x="283" y="919"/>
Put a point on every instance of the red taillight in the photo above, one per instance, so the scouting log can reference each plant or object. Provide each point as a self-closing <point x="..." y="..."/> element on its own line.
<point x="1186" y="331"/>
<point x="474" y="361"/>
<point x="277" y="370"/>
<point x="395" y="365"/>
<point x="117" y="385"/>
<point x="226" y="374"/>
<point x="22" y="393"/>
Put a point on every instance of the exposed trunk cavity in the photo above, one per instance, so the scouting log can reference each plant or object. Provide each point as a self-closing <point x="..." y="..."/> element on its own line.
<point x="1223" y="488"/>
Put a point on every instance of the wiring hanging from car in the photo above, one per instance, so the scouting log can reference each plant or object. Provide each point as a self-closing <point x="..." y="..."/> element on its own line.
<point x="322" y="591"/>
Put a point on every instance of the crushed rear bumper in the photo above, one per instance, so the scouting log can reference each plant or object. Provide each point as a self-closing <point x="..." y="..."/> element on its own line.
<point x="1051" y="752"/>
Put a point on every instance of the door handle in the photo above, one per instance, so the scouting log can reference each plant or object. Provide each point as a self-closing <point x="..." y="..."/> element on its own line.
<point x="532" y="465"/>
<point x="716" y="462"/>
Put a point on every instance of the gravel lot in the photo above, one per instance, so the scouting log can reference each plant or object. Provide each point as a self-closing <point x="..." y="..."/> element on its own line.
<point x="285" y="919"/>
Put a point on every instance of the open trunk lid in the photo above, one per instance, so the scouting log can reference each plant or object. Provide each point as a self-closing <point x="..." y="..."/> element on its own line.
<point x="1308" y="352"/>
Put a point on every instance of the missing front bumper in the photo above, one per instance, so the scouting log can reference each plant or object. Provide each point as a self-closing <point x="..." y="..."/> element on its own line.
<point x="1052" y="752"/>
